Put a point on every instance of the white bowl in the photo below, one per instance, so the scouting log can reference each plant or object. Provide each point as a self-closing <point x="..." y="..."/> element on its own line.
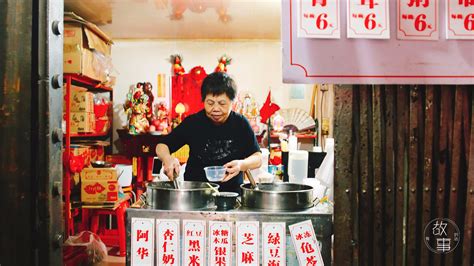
<point x="214" y="173"/>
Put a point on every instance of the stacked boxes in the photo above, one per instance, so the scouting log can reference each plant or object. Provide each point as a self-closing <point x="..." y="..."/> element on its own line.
<point x="99" y="185"/>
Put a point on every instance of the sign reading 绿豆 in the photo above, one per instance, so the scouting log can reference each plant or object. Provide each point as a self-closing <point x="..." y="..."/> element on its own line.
<point x="417" y="20"/>
<point x="319" y="19"/>
<point x="368" y="19"/>
<point x="274" y="243"/>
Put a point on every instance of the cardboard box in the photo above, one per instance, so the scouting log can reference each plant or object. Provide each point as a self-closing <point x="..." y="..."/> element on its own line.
<point x="82" y="122"/>
<point x="86" y="49"/>
<point x="81" y="101"/>
<point x="99" y="185"/>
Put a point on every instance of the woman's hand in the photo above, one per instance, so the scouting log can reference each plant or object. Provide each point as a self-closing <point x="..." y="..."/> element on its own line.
<point x="171" y="165"/>
<point x="233" y="168"/>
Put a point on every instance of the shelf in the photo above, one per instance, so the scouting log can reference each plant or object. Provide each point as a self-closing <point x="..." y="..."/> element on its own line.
<point x="298" y="136"/>
<point x="89" y="135"/>
<point x="84" y="80"/>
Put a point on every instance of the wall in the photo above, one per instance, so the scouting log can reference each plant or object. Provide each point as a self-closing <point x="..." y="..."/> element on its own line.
<point x="256" y="67"/>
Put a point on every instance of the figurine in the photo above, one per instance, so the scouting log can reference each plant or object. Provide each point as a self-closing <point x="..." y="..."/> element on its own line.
<point x="176" y="60"/>
<point x="136" y="106"/>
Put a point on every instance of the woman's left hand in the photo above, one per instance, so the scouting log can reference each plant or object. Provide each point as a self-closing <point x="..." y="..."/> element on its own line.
<point x="233" y="168"/>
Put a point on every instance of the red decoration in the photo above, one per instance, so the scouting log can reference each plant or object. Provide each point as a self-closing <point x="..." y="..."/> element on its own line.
<point x="268" y="109"/>
<point x="223" y="62"/>
<point x="176" y="60"/>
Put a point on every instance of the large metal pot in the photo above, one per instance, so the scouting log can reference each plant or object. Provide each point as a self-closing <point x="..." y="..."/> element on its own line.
<point x="190" y="195"/>
<point x="277" y="197"/>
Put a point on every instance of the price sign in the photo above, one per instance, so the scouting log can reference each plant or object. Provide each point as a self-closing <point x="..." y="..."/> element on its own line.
<point x="368" y="19"/>
<point x="417" y="19"/>
<point x="194" y="243"/>
<point x="220" y="243"/>
<point x="319" y="19"/>
<point x="142" y="241"/>
<point x="305" y="243"/>
<point x="167" y="241"/>
<point x="460" y="22"/>
<point x="274" y="243"/>
<point x="247" y="243"/>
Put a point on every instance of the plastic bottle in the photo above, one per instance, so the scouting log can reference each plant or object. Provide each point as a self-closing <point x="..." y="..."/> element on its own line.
<point x="292" y="142"/>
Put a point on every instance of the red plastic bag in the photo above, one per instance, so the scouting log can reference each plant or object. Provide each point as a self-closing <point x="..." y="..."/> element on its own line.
<point x="95" y="248"/>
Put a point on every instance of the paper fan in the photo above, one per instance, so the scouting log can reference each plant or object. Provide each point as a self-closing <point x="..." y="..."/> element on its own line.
<point x="298" y="119"/>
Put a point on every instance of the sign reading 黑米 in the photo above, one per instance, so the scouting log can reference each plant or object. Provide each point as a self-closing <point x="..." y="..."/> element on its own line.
<point x="368" y="19"/>
<point x="274" y="243"/>
<point x="319" y="19"/>
<point x="305" y="243"/>
<point x="142" y="241"/>
<point x="194" y="242"/>
<point x="417" y="20"/>
<point x="167" y="242"/>
<point x="460" y="19"/>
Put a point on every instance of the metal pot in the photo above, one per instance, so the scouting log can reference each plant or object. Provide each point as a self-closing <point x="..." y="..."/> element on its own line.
<point x="277" y="197"/>
<point x="190" y="195"/>
<point x="226" y="200"/>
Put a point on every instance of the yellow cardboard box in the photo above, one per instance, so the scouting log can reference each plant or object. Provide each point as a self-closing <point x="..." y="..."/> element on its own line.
<point x="81" y="101"/>
<point x="85" y="47"/>
<point x="99" y="185"/>
<point x="82" y="122"/>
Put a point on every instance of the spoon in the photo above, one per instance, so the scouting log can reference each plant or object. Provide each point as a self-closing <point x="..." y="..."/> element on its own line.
<point x="175" y="180"/>
<point x="253" y="184"/>
<point x="213" y="188"/>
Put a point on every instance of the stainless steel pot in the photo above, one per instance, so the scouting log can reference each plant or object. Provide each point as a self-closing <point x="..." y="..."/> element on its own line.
<point x="277" y="197"/>
<point x="190" y="195"/>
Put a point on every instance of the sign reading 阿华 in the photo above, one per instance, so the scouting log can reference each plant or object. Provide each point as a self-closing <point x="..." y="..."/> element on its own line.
<point x="247" y="243"/>
<point x="274" y="243"/>
<point x="167" y="242"/>
<point x="305" y="243"/>
<point x="194" y="242"/>
<point x="220" y="243"/>
<point x="417" y="19"/>
<point x="142" y="240"/>
<point x="460" y="19"/>
<point x="319" y="19"/>
<point x="368" y="19"/>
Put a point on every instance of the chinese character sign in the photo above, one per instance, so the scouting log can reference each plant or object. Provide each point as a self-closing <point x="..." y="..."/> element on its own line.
<point x="442" y="235"/>
<point x="247" y="237"/>
<point x="417" y="19"/>
<point x="220" y="243"/>
<point x="319" y="19"/>
<point x="368" y="19"/>
<point x="142" y="241"/>
<point x="460" y="19"/>
<point x="167" y="242"/>
<point x="274" y="244"/>
<point x="194" y="242"/>
<point x="305" y="243"/>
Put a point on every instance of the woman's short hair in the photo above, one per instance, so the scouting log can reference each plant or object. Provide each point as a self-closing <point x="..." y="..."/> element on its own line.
<point x="218" y="83"/>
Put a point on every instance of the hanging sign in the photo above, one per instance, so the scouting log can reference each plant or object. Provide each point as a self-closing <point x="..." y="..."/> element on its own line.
<point x="167" y="242"/>
<point x="194" y="242"/>
<point x="247" y="243"/>
<point x="368" y="19"/>
<point x="319" y="19"/>
<point x="274" y="243"/>
<point x="220" y="243"/>
<point x="142" y="238"/>
<point x="305" y="243"/>
<point x="460" y="21"/>
<point x="417" y="20"/>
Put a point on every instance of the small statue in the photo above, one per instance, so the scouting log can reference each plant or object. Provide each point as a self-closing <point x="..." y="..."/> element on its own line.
<point x="136" y="106"/>
<point x="177" y="68"/>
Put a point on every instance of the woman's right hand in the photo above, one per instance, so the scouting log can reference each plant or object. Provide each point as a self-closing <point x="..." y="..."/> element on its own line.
<point x="171" y="166"/>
